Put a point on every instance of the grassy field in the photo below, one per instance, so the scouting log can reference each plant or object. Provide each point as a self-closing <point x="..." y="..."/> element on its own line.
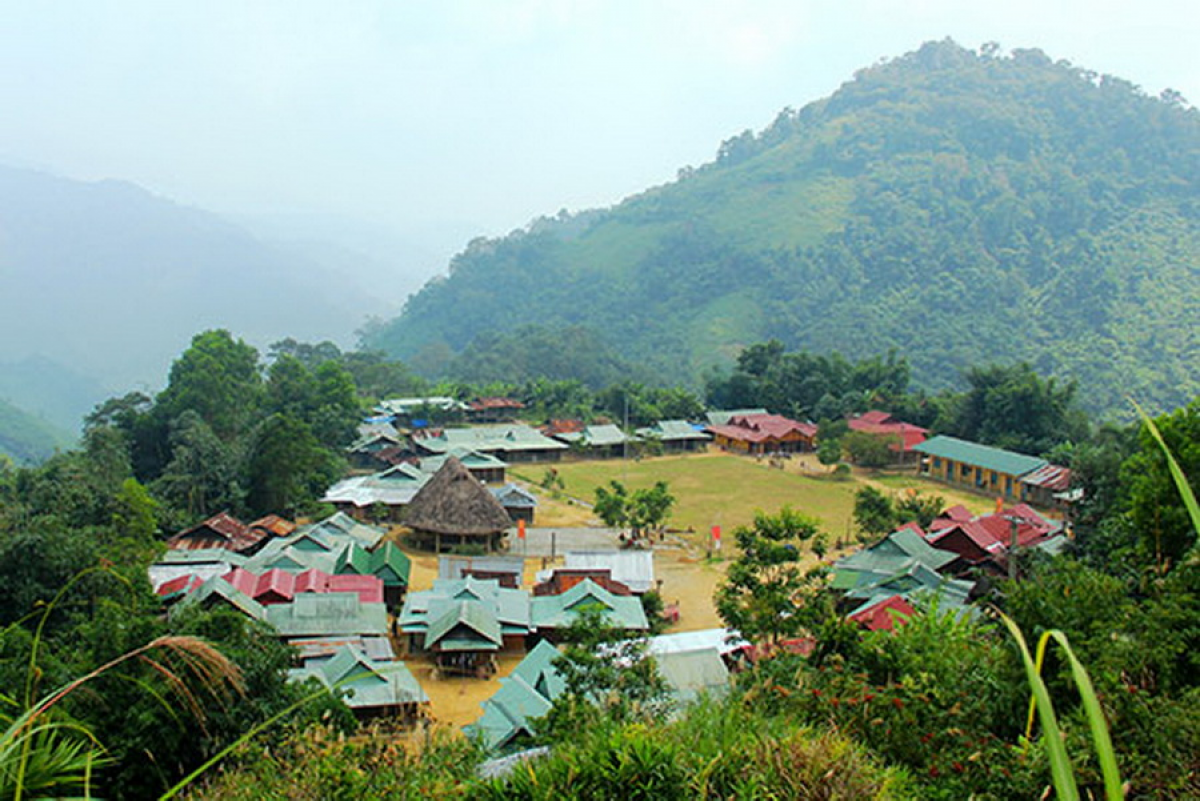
<point x="722" y="489"/>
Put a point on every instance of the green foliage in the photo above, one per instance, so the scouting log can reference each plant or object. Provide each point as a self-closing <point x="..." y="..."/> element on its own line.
<point x="605" y="675"/>
<point x="286" y="467"/>
<point x="765" y="589"/>
<point x="219" y="379"/>
<point x="804" y="385"/>
<point x="1065" y="784"/>
<point x="649" y="507"/>
<point x="713" y="749"/>
<point x="829" y="451"/>
<point x="318" y="762"/>
<point x="877" y="514"/>
<point x="870" y="450"/>
<point x="1013" y="408"/>
<point x="873" y="511"/>
<point x="612" y="504"/>
<point x="1167" y="460"/>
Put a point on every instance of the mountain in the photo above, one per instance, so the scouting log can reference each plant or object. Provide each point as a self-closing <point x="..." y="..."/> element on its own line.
<point x="27" y="439"/>
<point x="110" y="282"/>
<point x="960" y="207"/>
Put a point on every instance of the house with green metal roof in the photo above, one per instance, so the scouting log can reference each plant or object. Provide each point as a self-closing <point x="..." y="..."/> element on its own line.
<point x="525" y="695"/>
<point x="604" y="441"/>
<point x="313" y="614"/>
<point x="676" y="436"/>
<point x="892" y="553"/>
<point x="484" y="466"/>
<point x="342" y="526"/>
<point x="510" y="442"/>
<point x="912" y="580"/>
<point x="549" y="613"/>
<point x="463" y="626"/>
<point x="992" y="471"/>
<point x="371" y="688"/>
<point x="219" y="592"/>
<point x="465" y="622"/>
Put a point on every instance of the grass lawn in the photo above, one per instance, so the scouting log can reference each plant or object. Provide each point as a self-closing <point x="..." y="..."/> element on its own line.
<point x="722" y="489"/>
<point x="713" y="489"/>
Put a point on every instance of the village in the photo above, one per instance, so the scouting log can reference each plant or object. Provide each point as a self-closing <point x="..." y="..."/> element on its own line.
<point x="459" y="552"/>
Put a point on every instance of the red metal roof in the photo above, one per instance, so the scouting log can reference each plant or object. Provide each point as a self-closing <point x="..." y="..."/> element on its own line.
<point x="563" y="427"/>
<point x="762" y="427"/>
<point x="885" y="615"/>
<point x="992" y="534"/>
<point x="876" y="422"/>
<point x="222" y="530"/>
<point x="1051" y="477"/>
<point x="481" y="404"/>
<point x="181" y="584"/>
<point x="275" y="525"/>
<point x="278" y="586"/>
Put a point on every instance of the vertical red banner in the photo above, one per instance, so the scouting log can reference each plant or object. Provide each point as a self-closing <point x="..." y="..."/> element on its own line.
<point x="521" y="529"/>
<point x="716" y="537"/>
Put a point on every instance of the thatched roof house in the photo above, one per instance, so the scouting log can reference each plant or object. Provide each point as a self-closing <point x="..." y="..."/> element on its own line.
<point x="455" y="508"/>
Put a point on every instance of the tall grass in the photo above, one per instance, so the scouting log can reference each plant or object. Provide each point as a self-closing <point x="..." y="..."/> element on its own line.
<point x="43" y="757"/>
<point x="1177" y="475"/>
<point x="1061" y="770"/>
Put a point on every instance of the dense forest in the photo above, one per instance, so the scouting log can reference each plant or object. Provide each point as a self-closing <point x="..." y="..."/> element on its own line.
<point x="961" y="207"/>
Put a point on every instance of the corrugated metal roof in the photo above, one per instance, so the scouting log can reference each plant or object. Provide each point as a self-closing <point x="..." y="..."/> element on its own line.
<point x="884" y="614"/>
<point x="984" y="456"/>
<point x="560" y="611"/>
<point x="1051" y="477"/>
<point x="894" y="550"/>
<point x="363" y="682"/>
<point x="691" y="673"/>
<point x="318" y="615"/>
<point x="673" y="431"/>
<point x="723" y="640"/>
<point x="513" y="497"/>
<point x="512" y="437"/>
<point x="633" y="568"/>
<point x="453" y="567"/>
<point x="463" y="626"/>
<point x="509" y="607"/>
<point x="720" y="418"/>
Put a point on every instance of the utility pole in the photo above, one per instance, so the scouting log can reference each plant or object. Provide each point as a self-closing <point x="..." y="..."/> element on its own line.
<point x="1015" y="522"/>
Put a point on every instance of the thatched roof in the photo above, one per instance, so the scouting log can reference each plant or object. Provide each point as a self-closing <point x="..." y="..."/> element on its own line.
<point x="454" y="502"/>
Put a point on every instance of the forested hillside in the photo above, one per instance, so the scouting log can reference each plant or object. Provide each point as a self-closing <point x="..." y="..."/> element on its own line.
<point x="961" y="207"/>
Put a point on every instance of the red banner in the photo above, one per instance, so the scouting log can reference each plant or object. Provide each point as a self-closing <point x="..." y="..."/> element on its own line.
<point x="521" y="529"/>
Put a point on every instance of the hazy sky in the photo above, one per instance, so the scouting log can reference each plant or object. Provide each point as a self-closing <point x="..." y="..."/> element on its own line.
<point x="479" y="115"/>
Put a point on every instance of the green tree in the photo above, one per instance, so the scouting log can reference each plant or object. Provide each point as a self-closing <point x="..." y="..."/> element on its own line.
<point x="613" y="505"/>
<point x="605" y="674"/>
<point x="874" y="512"/>
<point x="218" y="378"/>
<point x="286" y="468"/>
<point x="870" y="450"/>
<point x="1012" y="407"/>
<point x="829" y="451"/>
<point x="649" y="508"/>
<point x="765" y="589"/>
<point x="912" y="506"/>
<point x="202" y="476"/>
<point x="1154" y="505"/>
